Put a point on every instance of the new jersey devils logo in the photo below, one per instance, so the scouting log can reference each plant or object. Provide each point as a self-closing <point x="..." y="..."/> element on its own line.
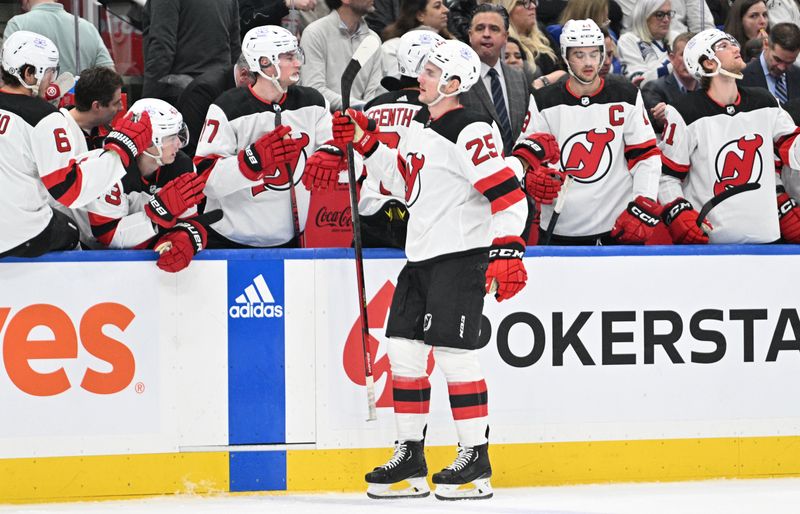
<point x="410" y="168"/>
<point x="738" y="162"/>
<point x="587" y="155"/>
<point x="278" y="180"/>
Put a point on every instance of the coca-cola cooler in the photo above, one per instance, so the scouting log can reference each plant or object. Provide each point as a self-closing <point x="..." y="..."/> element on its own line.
<point x="330" y="219"/>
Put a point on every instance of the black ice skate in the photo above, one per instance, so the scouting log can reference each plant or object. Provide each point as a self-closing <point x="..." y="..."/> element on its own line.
<point x="470" y="467"/>
<point x="407" y="464"/>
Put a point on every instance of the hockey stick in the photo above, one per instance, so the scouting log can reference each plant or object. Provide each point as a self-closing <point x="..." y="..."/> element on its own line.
<point x="562" y="195"/>
<point x="360" y="57"/>
<point x="716" y="200"/>
<point x="292" y="194"/>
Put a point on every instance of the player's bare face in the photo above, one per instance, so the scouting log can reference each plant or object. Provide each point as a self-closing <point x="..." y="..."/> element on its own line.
<point x="429" y="83"/>
<point x="488" y="36"/>
<point x="729" y="56"/>
<point x="106" y="113"/>
<point x="585" y="62"/>
<point x="169" y="149"/>
<point x="290" y="64"/>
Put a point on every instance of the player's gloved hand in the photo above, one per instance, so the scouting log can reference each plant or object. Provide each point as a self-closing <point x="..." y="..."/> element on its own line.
<point x="130" y="137"/>
<point x="354" y="126"/>
<point x="273" y="149"/>
<point x="178" y="246"/>
<point x="178" y="195"/>
<point x="543" y="183"/>
<point x="537" y="148"/>
<point x="789" y="217"/>
<point x="323" y="167"/>
<point x="505" y="267"/>
<point x="638" y="221"/>
<point x="681" y="220"/>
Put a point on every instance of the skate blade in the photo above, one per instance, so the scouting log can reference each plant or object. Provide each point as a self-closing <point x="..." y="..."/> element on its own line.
<point x="417" y="488"/>
<point x="479" y="489"/>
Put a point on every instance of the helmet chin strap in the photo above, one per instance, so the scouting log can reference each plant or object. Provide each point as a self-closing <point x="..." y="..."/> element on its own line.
<point x="442" y="95"/>
<point x="156" y="158"/>
<point x="723" y="71"/>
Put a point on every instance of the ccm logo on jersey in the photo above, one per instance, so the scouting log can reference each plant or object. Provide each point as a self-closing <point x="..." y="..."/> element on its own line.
<point x="21" y="347"/>
<point x="505" y="253"/>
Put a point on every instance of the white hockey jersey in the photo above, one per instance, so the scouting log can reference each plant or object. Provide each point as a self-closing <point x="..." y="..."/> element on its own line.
<point x="258" y="214"/>
<point x="461" y="193"/>
<point x="392" y="112"/>
<point x="607" y="145"/>
<point x="39" y="157"/>
<point x="709" y="147"/>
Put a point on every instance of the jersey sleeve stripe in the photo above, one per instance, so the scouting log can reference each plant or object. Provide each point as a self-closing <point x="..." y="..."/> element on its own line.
<point x="64" y="184"/>
<point x="784" y="144"/>
<point x="103" y="227"/>
<point x="639" y="155"/>
<point x="206" y="163"/>
<point x="641" y="146"/>
<point x="502" y="189"/>
<point x="672" y="168"/>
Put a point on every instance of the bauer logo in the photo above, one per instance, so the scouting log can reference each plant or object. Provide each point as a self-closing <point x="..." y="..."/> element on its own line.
<point x="256" y="301"/>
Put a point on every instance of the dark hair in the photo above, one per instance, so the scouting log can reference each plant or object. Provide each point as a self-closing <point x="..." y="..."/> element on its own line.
<point x="407" y="20"/>
<point x="96" y="84"/>
<point x="499" y="9"/>
<point x="521" y="50"/>
<point x="12" y="80"/>
<point x="333" y="4"/>
<point x="785" y="34"/>
<point x="734" y="25"/>
<point x="752" y="49"/>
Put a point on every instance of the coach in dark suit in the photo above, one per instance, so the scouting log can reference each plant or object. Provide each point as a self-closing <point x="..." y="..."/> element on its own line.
<point x="502" y="92"/>
<point x="667" y="90"/>
<point x="775" y="69"/>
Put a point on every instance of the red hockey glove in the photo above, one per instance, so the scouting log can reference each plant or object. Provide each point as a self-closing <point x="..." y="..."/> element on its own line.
<point x="353" y="126"/>
<point x="537" y="148"/>
<point x="681" y="220"/>
<point x="506" y="267"/>
<point x="273" y="149"/>
<point x="543" y="183"/>
<point x="130" y="137"/>
<point x="638" y="222"/>
<point x="323" y="167"/>
<point x="178" y="195"/>
<point x="789" y="217"/>
<point x="180" y="244"/>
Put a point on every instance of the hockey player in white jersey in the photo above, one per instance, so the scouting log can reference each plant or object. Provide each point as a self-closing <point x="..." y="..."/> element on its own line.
<point x="382" y="207"/>
<point x="607" y="147"/>
<point x="722" y="136"/>
<point x="464" y="199"/>
<point x="39" y="159"/>
<point x="255" y="162"/>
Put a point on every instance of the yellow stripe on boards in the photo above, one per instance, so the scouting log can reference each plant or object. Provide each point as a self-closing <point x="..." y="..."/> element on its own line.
<point x="112" y="476"/>
<point x="521" y="465"/>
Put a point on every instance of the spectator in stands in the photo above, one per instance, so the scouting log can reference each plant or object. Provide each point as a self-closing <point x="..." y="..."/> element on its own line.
<point x="516" y="58"/>
<point x="201" y="92"/>
<point x="657" y="94"/>
<point x="503" y="92"/>
<point x="185" y="38"/>
<point x="693" y="15"/>
<point x="255" y="13"/>
<point x="48" y="17"/>
<point x="414" y="14"/>
<point x="595" y="10"/>
<point x="386" y="12"/>
<point x="534" y="39"/>
<point x="610" y="63"/>
<point x="752" y="49"/>
<point x="783" y="11"/>
<point x="775" y="68"/>
<point x="329" y="43"/>
<point x="747" y="19"/>
<point x="643" y="50"/>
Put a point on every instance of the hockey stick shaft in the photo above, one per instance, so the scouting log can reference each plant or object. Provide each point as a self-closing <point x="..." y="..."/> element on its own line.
<point x="716" y="200"/>
<point x="292" y="193"/>
<point x="551" y="226"/>
<point x="364" y="51"/>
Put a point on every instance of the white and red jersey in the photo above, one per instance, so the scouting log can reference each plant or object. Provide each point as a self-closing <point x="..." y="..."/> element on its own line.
<point x="258" y="213"/>
<point x="607" y="145"/>
<point x="40" y="159"/>
<point x="392" y="112"/>
<point x="117" y="218"/>
<point x="708" y="147"/>
<point x="461" y="193"/>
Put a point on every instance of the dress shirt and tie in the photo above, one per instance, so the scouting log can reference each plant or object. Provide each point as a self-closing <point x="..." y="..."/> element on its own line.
<point x="494" y="81"/>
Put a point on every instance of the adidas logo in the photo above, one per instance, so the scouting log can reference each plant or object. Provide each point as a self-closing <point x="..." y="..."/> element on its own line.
<point x="256" y="302"/>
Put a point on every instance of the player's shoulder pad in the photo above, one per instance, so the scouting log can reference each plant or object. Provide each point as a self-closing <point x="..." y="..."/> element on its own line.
<point x="32" y="109"/>
<point x="753" y="98"/>
<point x="238" y="102"/>
<point x="694" y="105"/>
<point x="452" y="123"/>
<point x="409" y="96"/>
<point x="301" y="96"/>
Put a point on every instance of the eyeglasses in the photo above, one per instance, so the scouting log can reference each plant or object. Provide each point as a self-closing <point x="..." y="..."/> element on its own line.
<point x="663" y="14"/>
<point x="527" y="4"/>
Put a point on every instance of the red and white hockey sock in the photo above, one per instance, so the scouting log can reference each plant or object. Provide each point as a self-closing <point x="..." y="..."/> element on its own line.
<point x="470" y="404"/>
<point x="412" y="400"/>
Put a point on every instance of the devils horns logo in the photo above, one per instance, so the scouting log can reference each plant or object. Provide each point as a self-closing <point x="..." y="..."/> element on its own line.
<point x="738" y="162"/>
<point x="410" y="168"/>
<point x="278" y="180"/>
<point x="587" y="155"/>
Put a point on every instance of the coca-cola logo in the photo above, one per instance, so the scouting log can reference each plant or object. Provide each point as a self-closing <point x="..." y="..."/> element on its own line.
<point x="341" y="218"/>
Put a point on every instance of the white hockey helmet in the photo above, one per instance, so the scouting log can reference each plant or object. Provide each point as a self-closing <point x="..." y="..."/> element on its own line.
<point x="413" y="50"/>
<point x="269" y="41"/>
<point x="25" y="47"/>
<point x="701" y="47"/>
<point x="166" y="121"/>
<point x="456" y="60"/>
<point x="578" y="34"/>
